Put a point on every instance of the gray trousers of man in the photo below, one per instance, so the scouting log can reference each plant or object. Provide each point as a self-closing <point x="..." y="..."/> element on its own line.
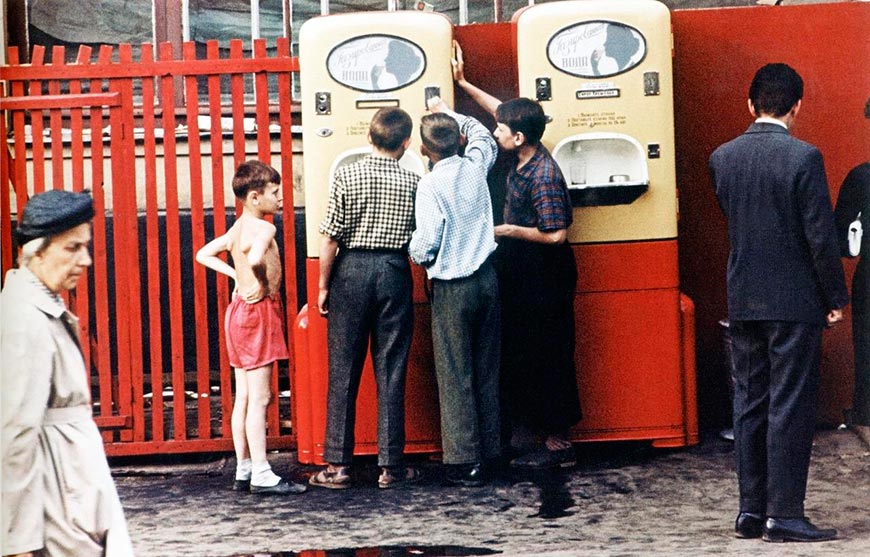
<point x="776" y="367"/>
<point x="466" y="337"/>
<point x="370" y="301"/>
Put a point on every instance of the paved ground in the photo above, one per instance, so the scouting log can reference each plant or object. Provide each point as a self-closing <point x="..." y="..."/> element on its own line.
<point x="621" y="499"/>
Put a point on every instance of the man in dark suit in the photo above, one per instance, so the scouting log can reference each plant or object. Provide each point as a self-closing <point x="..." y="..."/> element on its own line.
<point x="785" y="282"/>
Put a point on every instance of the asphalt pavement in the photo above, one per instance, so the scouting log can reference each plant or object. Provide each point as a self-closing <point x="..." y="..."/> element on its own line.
<point x="621" y="499"/>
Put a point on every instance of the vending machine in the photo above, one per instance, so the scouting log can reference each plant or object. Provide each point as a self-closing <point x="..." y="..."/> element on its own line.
<point x="602" y="72"/>
<point x="352" y="65"/>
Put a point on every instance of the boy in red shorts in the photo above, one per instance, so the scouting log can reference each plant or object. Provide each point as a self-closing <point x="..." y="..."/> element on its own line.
<point x="253" y="326"/>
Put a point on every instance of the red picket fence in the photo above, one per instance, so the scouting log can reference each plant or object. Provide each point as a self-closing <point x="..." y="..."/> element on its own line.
<point x="148" y="139"/>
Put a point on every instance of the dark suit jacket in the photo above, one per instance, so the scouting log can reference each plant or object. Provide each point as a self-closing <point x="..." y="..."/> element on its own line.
<point x="784" y="263"/>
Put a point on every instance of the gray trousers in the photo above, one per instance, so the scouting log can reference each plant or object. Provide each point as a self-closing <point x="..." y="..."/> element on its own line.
<point x="466" y="337"/>
<point x="776" y="367"/>
<point x="369" y="302"/>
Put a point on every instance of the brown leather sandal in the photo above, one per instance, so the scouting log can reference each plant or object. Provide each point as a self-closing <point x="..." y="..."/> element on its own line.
<point x="330" y="480"/>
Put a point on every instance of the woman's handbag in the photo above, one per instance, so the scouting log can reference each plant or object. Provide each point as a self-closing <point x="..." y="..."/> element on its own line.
<point x="854" y="236"/>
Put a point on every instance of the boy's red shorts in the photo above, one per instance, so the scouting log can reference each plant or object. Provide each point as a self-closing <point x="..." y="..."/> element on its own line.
<point x="255" y="333"/>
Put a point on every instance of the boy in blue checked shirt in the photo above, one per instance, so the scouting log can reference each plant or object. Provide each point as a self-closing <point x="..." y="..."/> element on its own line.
<point x="453" y="241"/>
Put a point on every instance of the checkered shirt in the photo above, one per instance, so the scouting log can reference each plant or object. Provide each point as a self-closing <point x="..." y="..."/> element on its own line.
<point x="371" y="205"/>
<point x="537" y="195"/>
<point x="454" y="234"/>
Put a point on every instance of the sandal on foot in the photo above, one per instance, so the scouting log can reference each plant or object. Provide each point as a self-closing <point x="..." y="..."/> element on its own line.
<point x="397" y="477"/>
<point x="330" y="480"/>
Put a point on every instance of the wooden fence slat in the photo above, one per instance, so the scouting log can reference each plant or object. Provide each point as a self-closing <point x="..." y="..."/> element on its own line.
<point x="173" y="249"/>
<point x="60" y="101"/>
<point x="160" y="68"/>
<point x="130" y="376"/>
<point x="77" y="153"/>
<point x="288" y="214"/>
<point x="56" y="124"/>
<point x="197" y="223"/>
<point x="264" y="154"/>
<point x="220" y="220"/>
<point x="152" y="251"/>
<point x="36" y="126"/>
<point x="102" y="292"/>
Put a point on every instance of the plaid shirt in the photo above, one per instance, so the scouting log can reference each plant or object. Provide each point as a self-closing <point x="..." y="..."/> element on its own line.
<point x="537" y="195"/>
<point x="371" y="205"/>
<point x="454" y="234"/>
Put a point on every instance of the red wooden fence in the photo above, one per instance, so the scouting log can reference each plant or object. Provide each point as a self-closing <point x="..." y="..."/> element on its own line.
<point x="147" y="138"/>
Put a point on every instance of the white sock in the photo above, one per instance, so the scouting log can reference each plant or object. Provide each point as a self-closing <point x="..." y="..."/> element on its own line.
<point x="243" y="469"/>
<point x="263" y="475"/>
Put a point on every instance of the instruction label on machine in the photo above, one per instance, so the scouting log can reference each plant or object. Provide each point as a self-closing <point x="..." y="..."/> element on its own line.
<point x="595" y="119"/>
<point x="597" y="94"/>
<point x="360" y="128"/>
<point x="604" y="90"/>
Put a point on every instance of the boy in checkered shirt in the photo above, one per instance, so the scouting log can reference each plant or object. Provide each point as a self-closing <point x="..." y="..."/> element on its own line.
<point x="365" y="290"/>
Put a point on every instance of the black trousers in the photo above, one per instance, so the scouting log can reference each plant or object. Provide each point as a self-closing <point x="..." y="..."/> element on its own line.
<point x="369" y="303"/>
<point x="776" y="367"/>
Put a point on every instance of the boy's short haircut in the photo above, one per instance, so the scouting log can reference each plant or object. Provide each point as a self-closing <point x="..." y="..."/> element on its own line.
<point x="390" y="127"/>
<point x="253" y="175"/>
<point x="775" y="89"/>
<point x="440" y="134"/>
<point x="523" y="115"/>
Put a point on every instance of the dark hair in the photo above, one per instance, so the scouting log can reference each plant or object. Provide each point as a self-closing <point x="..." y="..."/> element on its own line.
<point x="253" y="175"/>
<point x="775" y="89"/>
<point x="390" y="127"/>
<point x="440" y="134"/>
<point x="523" y="115"/>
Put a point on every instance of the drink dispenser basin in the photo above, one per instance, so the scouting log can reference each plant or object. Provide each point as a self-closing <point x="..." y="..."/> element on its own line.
<point x="602" y="168"/>
<point x="410" y="160"/>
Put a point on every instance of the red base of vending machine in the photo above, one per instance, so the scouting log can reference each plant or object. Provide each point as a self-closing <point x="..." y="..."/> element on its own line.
<point x="635" y="345"/>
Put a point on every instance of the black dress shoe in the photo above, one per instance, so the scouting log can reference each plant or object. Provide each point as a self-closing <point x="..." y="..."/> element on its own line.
<point x="465" y="475"/>
<point x="795" y="530"/>
<point x="748" y="525"/>
<point x="241" y="485"/>
<point x="283" y="487"/>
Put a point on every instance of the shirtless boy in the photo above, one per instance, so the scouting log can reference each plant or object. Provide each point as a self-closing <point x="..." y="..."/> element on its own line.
<point x="253" y="326"/>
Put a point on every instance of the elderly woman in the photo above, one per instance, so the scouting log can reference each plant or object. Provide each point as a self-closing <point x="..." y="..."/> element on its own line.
<point x="58" y="495"/>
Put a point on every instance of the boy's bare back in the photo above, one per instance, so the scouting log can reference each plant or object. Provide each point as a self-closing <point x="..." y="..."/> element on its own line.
<point x="251" y="242"/>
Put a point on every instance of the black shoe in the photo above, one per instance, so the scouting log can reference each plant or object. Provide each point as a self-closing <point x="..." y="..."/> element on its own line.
<point x="748" y="525"/>
<point x="545" y="458"/>
<point x="241" y="485"/>
<point x="283" y="487"/>
<point x="795" y="530"/>
<point x="465" y="475"/>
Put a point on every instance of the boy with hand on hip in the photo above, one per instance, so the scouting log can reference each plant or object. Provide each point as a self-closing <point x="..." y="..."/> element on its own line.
<point x="454" y="241"/>
<point x="253" y="322"/>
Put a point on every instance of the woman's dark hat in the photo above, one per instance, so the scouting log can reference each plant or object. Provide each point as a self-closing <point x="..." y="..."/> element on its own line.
<point x="53" y="212"/>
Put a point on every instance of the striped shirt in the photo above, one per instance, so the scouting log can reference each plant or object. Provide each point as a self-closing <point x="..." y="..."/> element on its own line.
<point x="537" y="195"/>
<point x="371" y="205"/>
<point x="454" y="234"/>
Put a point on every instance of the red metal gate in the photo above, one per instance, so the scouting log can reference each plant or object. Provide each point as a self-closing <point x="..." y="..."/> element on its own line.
<point x="148" y="139"/>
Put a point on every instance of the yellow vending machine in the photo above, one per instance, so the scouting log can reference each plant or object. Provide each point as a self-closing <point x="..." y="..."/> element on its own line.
<point x="352" y="65"/>
<point x="602" y="72"/>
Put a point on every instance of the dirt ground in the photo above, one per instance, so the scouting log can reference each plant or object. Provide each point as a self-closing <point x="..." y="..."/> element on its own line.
<point x="621" y="499"/>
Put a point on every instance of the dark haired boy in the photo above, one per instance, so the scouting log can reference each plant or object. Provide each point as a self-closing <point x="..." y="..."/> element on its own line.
<point x="365" y="291"/>
<point x="785" y="282"/>
<point x="256" y="301"/>
<point x="537" y="277"/>
<point x="454" y="241"/>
